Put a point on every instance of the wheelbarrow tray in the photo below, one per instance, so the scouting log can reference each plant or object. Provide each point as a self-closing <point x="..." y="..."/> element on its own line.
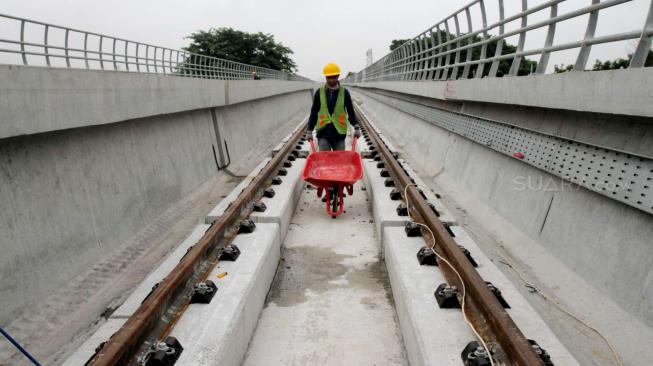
<point x="326" y="168"/>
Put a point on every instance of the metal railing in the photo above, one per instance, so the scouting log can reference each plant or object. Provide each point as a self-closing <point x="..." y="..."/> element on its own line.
<point x="446" y="52"/>
<point x="57" y="46"/>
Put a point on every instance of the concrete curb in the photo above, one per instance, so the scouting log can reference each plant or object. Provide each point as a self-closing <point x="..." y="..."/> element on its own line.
<point x="384" y="210"/>
<point x="432" y="336"/>
<point x="219" y="333"/>
<point x="413" y="286"/>
<point x="281" y="207"/>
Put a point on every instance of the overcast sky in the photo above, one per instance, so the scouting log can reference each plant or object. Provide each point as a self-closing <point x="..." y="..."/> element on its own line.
<point x="317" y="31"/>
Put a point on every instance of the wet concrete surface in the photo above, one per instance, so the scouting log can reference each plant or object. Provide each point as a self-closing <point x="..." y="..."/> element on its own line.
<point x="330" y="302"/>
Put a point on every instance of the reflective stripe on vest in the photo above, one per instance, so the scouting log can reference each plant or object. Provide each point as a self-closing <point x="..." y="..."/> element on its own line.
<point x="339" y="114"/>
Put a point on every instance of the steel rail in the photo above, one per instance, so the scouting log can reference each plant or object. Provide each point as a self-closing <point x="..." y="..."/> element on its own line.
<point x="124" y="345"/>
<point x="492" y="319"/>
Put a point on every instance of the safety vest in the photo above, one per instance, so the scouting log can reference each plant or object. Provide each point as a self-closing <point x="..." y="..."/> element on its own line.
<point x="339" y="117"/>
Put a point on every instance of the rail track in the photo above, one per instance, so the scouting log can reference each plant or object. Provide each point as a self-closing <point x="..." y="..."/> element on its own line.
<point x="486" y="314"/>
<point x="145" y="331"/>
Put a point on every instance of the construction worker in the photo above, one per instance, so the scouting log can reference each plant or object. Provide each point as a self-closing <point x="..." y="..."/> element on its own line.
<point x="332" y="111"/>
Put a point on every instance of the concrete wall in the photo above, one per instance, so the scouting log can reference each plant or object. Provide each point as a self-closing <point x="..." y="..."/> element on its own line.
<point x="89" y="158"/>
<point x="34" y="99"/>
<point x="625" y="91"/>
<point x="605" y="242"/>
<point x="631" y="134"/>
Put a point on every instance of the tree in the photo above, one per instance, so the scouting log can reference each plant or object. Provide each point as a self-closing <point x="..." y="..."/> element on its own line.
<point x="396" y="43"/>
<point x="562" y="68"/>
<point x="258" y="49"/>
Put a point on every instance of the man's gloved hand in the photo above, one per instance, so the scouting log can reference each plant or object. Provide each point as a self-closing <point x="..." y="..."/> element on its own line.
<point x="309" y="135"/>
<point x="357" y="132"/>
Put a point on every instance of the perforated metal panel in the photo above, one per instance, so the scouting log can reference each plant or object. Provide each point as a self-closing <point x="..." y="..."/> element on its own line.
<point x="622" y="176"/>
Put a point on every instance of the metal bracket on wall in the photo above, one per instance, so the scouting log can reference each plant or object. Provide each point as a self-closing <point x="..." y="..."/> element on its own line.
<point x="622" y="176"/>
<point x="226" y="148"/>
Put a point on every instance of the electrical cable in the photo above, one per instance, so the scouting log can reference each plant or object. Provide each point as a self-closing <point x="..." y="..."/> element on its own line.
<point x="561" y="307"/>
<point x="19" y="347"/>
<point x="521" y="276"/>
<point x="462" y="283"/>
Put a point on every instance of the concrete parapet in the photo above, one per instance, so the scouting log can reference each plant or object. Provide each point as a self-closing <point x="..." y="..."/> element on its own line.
<point x="281" y="207"/>
<point x="37" y="100"/>
<point x="219" y="333"/>
<point x="625" y="91"/>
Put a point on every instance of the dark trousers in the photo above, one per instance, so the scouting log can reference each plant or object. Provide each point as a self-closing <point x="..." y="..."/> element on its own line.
<point x="328" y="144"/>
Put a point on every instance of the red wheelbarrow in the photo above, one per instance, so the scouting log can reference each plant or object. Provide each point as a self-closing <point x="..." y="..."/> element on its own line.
<point x="333" y="171"/>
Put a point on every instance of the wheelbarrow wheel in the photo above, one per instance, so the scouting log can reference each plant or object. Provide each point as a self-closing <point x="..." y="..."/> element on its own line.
<point x="334" y="201"/>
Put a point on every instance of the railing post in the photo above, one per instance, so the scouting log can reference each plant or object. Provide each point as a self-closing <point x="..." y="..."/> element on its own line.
<point x="147" y="57"/>
<point x="45" y="48"/>
<point x="22" y="41"/>
<point x="417" y="49"/>
<point x="66" y="48"/>
<point x="516" y="60"/>
<point x="584" y="53"/>
<point x="177" y="64"/>
<point x="170" y="61"/>
<point x="431" y="58"/>
<point x="447" y="57"/>
<point x="550" y="34"/>
<point x="156" y="61"/>
<point x="127" y="55"/>
<point x="481" y="66"/>
<point x="86" y="49"/>
<point x="101" y="52"/>
<point x="644" y="44"/>
<point x="113" y="55"/>
<point x="438" y="71"/>
<point x="470" y="40"/>
<point x="138" y="61"/>
<point x="454" y="73"/>
<point x="495" y="64"/>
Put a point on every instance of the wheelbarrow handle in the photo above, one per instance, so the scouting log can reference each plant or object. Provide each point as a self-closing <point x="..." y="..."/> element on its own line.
<point x="312" y="143"/>
<point x="353" y="144"/>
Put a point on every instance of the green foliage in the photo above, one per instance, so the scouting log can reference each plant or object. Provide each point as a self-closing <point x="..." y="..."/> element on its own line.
<point x="396" y="43"/>
<point x="620" y="63"/>
<point x="258" y="49"/>
<point x="525" y="67"/>
<point x="562" y="68"/>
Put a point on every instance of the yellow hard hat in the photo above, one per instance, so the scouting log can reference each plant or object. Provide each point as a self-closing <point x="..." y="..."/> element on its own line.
<point x="331" y="69"/>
